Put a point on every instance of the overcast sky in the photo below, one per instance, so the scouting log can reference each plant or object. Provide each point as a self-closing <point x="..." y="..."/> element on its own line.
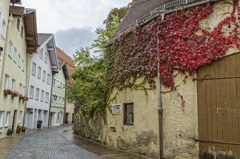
<point x="72" y="21"/>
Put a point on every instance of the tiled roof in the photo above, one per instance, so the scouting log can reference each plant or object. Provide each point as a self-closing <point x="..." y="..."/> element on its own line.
<point x="42" y="37"/>
<point x="64" y="57"/>
<point x="137" y="10"/>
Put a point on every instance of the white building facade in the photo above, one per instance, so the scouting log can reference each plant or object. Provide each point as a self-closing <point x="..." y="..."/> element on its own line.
<point x="43" y="65"/>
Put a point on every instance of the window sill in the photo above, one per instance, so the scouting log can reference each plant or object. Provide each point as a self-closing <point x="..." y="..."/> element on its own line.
<point x="3" y="37"/>
<point x="128" y="124"/>
<point x="10" y="56"/>
<point x="14" y="61"/>
<point x="6" y="126"/>
<point x="33" y="74"/>
<point x="31" y="97"/>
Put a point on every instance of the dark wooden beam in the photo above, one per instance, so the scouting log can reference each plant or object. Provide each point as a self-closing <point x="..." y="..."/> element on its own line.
<point x="16" y="10"/>
<point x="30" y="38"/>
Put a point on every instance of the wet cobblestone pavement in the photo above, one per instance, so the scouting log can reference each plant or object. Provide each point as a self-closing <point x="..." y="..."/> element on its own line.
<point x="49" y="144"/>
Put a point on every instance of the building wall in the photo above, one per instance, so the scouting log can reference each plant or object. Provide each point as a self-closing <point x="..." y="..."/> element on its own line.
<point x="58" y="106"/>
<point x="34" y="104"/>
<point x="4" y="9"/>
<point x="70" y="111"/>
<point x="11" y="68"/>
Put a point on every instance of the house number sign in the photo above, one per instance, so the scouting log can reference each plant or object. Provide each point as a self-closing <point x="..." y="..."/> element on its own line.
<point x="117" y="109"/>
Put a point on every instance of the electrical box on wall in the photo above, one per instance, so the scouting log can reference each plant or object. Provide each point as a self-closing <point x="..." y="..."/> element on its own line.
<point x="117" y="108"/>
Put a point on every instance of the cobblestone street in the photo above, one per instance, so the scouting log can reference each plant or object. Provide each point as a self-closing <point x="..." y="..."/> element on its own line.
<point x="48" y="144"/>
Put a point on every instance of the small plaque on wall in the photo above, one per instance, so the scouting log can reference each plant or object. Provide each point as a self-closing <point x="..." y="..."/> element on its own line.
<point x="117" y="109"/>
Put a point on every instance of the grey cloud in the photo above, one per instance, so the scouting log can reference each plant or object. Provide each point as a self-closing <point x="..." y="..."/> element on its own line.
<point x="73" y="39"/>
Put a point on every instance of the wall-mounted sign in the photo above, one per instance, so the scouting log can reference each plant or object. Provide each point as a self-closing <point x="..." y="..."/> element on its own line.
<point x="31" y="112"/>
<point x="117" y="109"/>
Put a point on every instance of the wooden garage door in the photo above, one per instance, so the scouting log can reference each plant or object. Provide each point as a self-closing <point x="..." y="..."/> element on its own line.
<point x="218" y="108"/>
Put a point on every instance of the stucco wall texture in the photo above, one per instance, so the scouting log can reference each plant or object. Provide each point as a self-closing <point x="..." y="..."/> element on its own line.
<point x="180" y="124"/>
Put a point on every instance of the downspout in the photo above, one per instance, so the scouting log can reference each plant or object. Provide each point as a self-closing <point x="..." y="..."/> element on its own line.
<point x="160" y="110"/>
<point x="10" y="19"/>
<point x="50" y="99"/>
<point x="27" y="85"/>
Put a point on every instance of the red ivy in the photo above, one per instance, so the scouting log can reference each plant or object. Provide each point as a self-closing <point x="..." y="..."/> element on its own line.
<point x="179" y="47"/>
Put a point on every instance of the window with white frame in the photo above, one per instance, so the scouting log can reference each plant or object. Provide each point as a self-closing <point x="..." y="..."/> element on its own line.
<point x="37" y="94"/>
<point x="7" y="119"/>
<point x="23" y="65"/>
<point x="1" y="119"/>
<point x="20" y="117"/>
<point x="10" y="49"/>
<point x="6" y="82"/>
<point x="57" y="82"/>
<point x="20" y="88"/>
<point x="23" y="91"/>
<point x="39" y="72"/>
<point x="41" y="54"/>
<point x="46" y="57"/>
<point x="56" y="98"/>
<point x="19" y="60"/>
<point x="31" y="92"/>
<point x="60" y="99"/>
<point x="4" y="26"/>
<point x="47" y="97"/>
<point x="48" y="78"/>
<point x="34" y="69"/>
<point x="13" y="84"/>
<point x="15" y="55"/>
<point x="61" y="84"/>
<point x="54" y="82"/>
<point x="44" y="76"/>
<point x="42" y="96"/>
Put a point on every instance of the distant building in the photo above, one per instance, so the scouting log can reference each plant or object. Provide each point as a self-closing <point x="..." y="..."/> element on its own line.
<point x="69" y="115"/>
<point x="58" y="95"/>
<point x="43" y="64"/>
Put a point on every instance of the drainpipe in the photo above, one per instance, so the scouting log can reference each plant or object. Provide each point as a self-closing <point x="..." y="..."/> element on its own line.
<point x="27" y="85"/>
<point x="50" y="99"/>
<point x="10" y="19"/>
<point x="160" y="110"/>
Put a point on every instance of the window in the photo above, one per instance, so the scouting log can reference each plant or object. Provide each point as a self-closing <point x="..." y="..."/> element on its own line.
<point x="57" y="82"/>
<point x="47" y="97"/>
<point x="22" y="32"/>
<point x="10" y="49"/>
<point x="15" y="55"/>
<point x="4" y="26"/>
<point x="20" y="117"/>
<point x="44" y="76"/>
<point x="7" y="119"/>
<point x="34" y="69"/>
<point x="1" y="119"/>
<point x="31" y="92"/>
<point x="63" y="101"/>
<point x="41" y="54"/>
<point x="23" y="91"/>
<point x="60" y="99"/>
<point x="19" y="60"/>
<point x="128" y="114"/>
<point x="39" y="72"/>
<point x="56" y="98"/>
<point x="42" y="96"/>
<point x="48" y="78"/>
<point x="18" y="24"/>
<point x="37" y="94"/>
<point x="20" y="88"/>
<point x="58" y="115"/>
<point x="6" y="82"/>
<point x="23" y="65"/>
<point x="46" y="57"/>
<point x="54" y="82"/>
<point x="61" y="84"/>
<point x="13" y="84"/>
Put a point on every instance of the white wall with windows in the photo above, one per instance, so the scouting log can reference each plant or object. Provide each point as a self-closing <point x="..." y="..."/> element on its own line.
<point x="40" y="87"/>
